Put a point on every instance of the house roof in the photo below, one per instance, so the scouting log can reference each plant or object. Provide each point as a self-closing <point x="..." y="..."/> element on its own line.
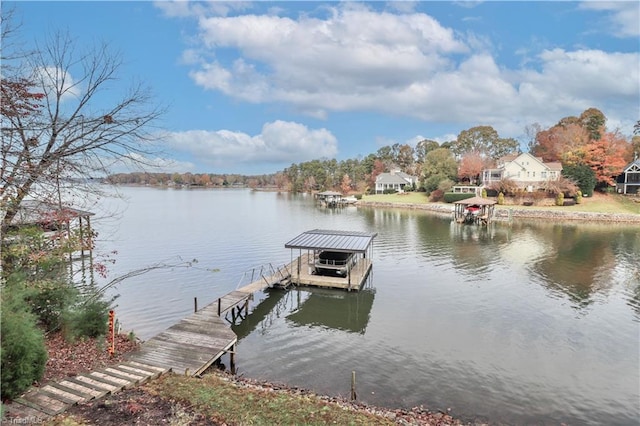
<point x="477" y="201"/>
<point x="323" y="239"/>
<point x="555" y="166"/>
<point x="390" y="178"/>
<point x="635" y="162"/>
<point x="33" y="211"/>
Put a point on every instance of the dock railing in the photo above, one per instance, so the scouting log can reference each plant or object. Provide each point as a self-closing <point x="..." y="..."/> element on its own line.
<point x="266" y="275"/>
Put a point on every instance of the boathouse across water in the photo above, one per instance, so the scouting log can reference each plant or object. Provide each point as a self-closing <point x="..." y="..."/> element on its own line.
<point x="334" y="259"/>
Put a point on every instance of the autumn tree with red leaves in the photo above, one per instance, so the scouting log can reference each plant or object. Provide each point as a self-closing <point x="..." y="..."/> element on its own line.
<point x="345" y="185"/>
<point x="471" y="165"/>
<point x="584" y="140"/>
<point x="607" y="156"/>
<point x="563" y="143"/>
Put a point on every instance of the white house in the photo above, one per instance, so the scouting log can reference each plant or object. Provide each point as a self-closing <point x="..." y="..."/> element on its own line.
<point x="525" y="170"/>
<point x="395" y="180"/>
<point x="629" y="181"/>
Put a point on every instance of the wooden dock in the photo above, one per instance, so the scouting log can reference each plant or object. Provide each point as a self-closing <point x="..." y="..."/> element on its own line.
<point x="197" y="341"/>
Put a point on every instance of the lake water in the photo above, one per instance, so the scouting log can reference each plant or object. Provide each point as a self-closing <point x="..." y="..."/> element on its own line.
<point x="522" y="323"/>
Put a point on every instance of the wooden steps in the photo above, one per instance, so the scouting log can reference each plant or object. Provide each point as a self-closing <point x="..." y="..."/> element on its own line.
<point x="53" y="398"/>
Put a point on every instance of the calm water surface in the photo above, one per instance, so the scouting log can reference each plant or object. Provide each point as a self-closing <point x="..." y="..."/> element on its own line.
<point x="532" y="323"/>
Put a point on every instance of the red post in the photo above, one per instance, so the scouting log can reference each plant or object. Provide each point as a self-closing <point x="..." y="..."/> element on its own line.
<point x="112" y="333"/>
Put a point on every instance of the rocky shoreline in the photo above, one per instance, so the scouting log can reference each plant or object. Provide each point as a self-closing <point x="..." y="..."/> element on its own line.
<point x="506" y="213"/>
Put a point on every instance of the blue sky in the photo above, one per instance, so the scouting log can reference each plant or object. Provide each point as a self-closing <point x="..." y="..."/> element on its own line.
<point x="253" y="87"/>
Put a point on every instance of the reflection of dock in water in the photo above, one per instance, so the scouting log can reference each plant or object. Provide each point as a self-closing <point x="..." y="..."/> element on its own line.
<point x="346" y="311"/>
<point x="272" y="305"/>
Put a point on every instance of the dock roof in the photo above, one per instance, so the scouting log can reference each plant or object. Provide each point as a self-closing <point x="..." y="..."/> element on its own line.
<point x="323" y="239"/>
<point x="477" y="201"/>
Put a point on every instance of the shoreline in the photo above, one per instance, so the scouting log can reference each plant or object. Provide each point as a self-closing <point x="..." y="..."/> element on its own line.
<point x="507" y="213"/>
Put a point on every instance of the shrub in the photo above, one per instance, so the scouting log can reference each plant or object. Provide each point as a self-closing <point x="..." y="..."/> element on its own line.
<point x="88" y="319"/>
<point x="578" y="197"/>
<point x="436" y="195"/>
<point x="389" y="191"/>
<point x="358" y="196"/>
<point x="506" y="186"/>
<point x="501" y="199"/>
<point x="445" y="185"/>
<point x="560" y="199"/>
<point x="452" y="197"/>
<point x="432" y="182"/>
<point x="49" y="301"/>
<point x="538" y="196"/>
<point x="583" y="175"/>
<point x="22" y="350"/>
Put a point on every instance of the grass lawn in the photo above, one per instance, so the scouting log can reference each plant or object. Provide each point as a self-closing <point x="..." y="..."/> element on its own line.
<point x="407" y="197"/>
<point x="599" y="203"/>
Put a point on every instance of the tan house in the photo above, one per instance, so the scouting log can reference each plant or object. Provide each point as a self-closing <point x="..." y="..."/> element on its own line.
<point x="527" y="171"/>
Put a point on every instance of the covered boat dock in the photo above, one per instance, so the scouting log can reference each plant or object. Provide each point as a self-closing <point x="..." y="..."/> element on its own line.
<point x="329" y="258"/>
<point x="474" y="210"/>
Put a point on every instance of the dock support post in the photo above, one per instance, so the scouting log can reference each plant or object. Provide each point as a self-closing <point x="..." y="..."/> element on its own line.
<point x="353" y="386"/>
<point x="232" y="359"/>
<point x="219" y="305"/>
<point x="195" y="304"/>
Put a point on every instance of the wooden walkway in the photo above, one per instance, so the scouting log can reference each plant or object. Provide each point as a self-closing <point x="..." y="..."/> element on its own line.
<point x="39" y="403"/>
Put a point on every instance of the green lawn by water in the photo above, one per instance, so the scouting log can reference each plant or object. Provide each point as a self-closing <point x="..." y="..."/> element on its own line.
<point x="599" y="203"/>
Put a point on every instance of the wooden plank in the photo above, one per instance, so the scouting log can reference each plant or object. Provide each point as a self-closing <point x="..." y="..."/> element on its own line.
<point x="200" y="342"/>
<point x="45" y="403"/>
<point x="18" y="412"/>
<point x="148" y="367"/>
<point x="170" y="360"/>
<point x="109" y="379"/>
<point x="84" y="389"/>
<point x="134" y="370"/>
<point x="99" y="384"/>
<point x="219" y="333"/>
<point x="74" y="398"/>
<point x="177" y="344"/>
<point x="124" y="375"/>
<point x="58" y="396"/>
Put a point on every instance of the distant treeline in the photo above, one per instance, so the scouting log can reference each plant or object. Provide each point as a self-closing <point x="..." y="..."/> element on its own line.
<point x="192" y="179"/>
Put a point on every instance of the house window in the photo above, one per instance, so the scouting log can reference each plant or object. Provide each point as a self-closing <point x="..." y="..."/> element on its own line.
<point x="533" y="174"/>
<point x="528" y="174"/>
<point x="543" y="175"/>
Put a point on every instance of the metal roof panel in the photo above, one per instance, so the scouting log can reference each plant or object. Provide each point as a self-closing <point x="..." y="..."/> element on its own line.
<point x="323" y="239"/>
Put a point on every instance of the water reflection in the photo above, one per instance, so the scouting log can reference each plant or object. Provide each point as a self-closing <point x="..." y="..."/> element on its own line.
<point x="580" y="263"/>
<point x="264" y="313"/>
<point x="339" y="310"/>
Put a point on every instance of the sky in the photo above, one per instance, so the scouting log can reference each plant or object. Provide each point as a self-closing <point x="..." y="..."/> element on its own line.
<point x="252" y="87"/>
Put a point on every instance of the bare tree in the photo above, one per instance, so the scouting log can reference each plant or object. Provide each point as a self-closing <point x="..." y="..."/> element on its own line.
<point x="64" y="124"/>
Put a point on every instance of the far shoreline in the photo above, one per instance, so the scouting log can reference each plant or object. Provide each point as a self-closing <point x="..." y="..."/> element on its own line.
<point x="509" y="212"/>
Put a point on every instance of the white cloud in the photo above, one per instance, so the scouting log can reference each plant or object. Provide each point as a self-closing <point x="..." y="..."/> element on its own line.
<point x="345" y="62"/>
<point x="278" y="142"/>
<point x="623" y="19"/>
<point x="407" y="64"/>
<point x="134" y="162"/>
<point x="54" y="80"/>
